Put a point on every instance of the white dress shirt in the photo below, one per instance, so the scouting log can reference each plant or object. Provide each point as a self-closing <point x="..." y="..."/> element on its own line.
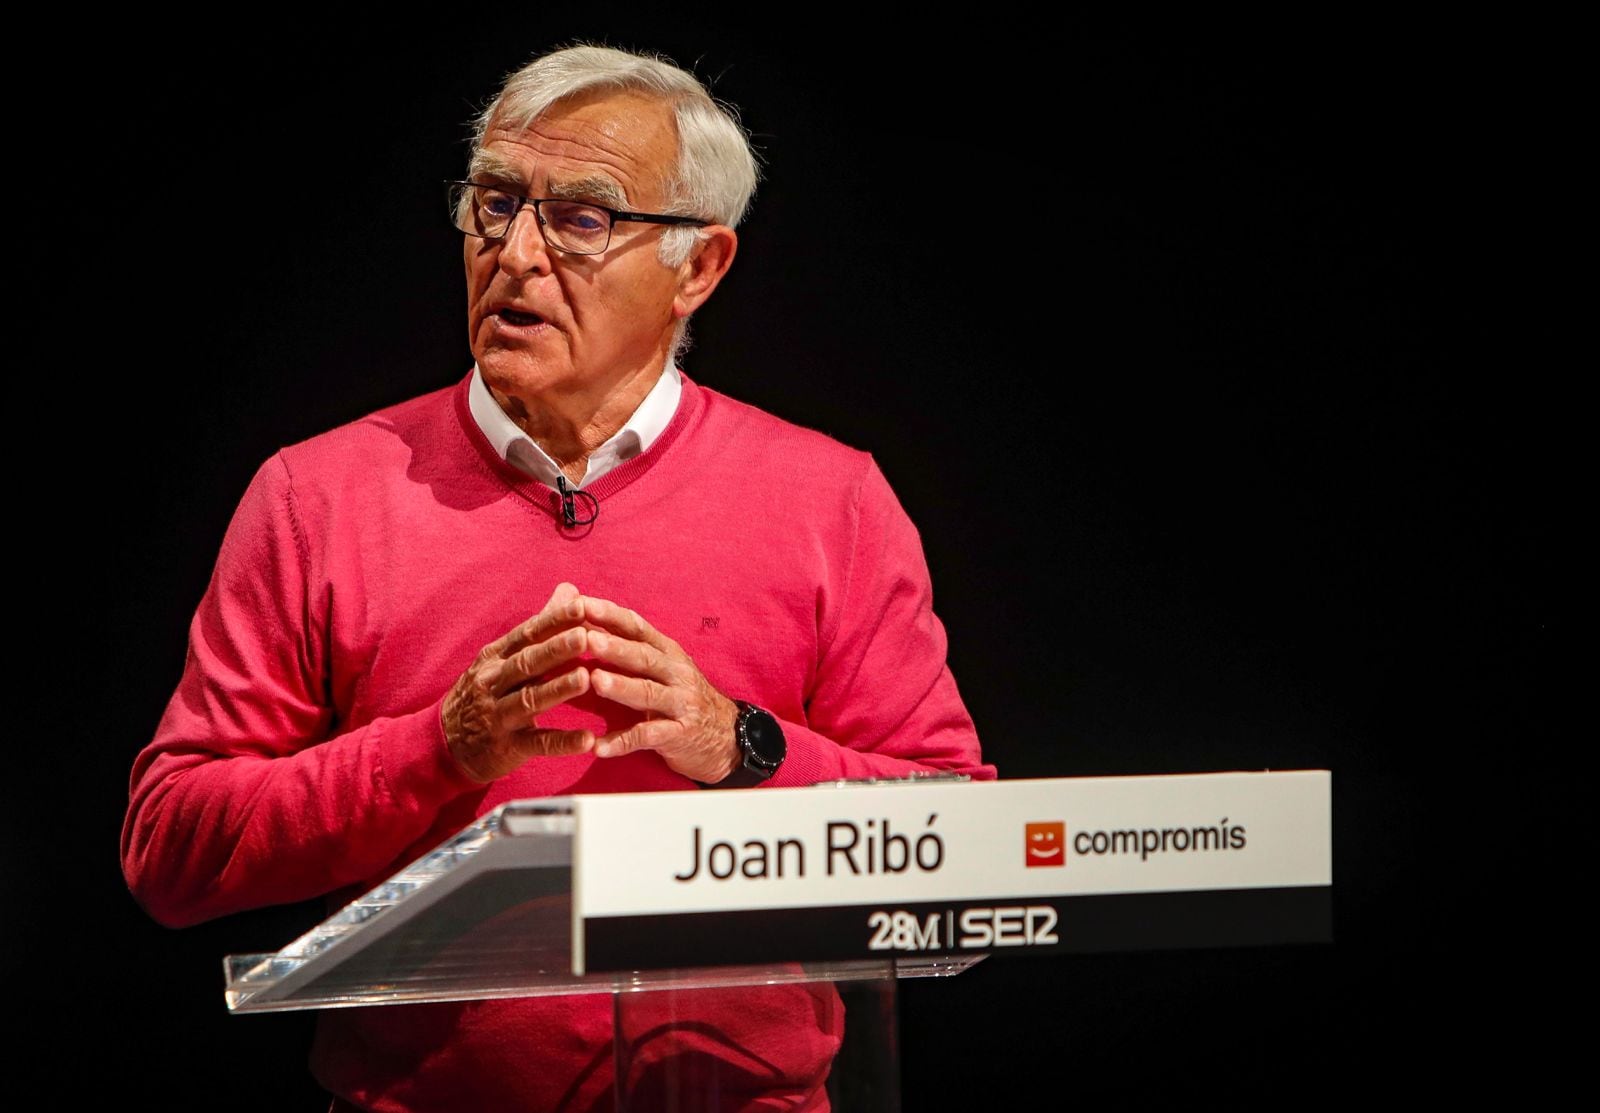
<point x="636" y="435"/>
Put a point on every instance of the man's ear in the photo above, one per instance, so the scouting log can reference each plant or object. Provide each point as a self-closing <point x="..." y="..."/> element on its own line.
<point x="713" y="253"/>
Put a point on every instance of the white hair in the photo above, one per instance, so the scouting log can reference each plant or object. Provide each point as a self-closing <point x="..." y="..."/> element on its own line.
<point x="716" y="173"/>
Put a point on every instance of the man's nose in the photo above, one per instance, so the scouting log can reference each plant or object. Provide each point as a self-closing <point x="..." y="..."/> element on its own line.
<point x="523" y="248"/>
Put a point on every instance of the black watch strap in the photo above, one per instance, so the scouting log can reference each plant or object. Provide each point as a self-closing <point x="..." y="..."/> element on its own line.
<point x="762" y="747"/>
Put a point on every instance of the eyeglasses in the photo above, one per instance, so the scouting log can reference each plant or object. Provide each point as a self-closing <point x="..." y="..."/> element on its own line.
<point x="575" y="227"/>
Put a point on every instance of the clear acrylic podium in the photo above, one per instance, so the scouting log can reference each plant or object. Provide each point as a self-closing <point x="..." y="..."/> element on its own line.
<point x="489" y="914"/>
<point x="920" y="878"/>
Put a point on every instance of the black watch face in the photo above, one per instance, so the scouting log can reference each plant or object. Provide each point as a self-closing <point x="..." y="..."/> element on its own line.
<point x="762" y="739"/>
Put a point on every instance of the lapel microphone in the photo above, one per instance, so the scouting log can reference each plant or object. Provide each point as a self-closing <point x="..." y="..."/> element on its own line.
<point x="569" y="507"/>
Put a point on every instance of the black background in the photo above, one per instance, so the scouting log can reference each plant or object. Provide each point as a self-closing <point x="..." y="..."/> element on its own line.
<point x="1236" y="446"/>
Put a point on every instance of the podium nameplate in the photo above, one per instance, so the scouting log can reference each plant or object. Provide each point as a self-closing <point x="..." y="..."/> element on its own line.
<point x="835" y="873"/>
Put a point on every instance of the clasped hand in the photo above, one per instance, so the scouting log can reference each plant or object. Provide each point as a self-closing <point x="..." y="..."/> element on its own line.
<point x="491" y="712"/>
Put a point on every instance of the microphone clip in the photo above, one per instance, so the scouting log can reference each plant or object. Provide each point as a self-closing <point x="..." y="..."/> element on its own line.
<point x="569" y="505"/>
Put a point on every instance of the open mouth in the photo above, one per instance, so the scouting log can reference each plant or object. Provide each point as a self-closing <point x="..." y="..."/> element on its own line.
<point x="518" y="317"/>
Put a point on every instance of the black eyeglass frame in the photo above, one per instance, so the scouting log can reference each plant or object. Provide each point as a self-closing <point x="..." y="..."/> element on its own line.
<point x="524" y="200"/>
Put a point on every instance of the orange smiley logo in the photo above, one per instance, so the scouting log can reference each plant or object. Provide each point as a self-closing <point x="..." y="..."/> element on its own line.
<point x="1046" y="843"/>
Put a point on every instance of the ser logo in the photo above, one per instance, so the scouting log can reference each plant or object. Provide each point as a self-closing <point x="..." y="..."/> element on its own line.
<point x="1046" y="844"/>
<point x="981" y="928"/>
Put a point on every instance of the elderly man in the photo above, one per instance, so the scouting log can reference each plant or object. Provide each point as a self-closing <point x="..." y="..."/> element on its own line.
<point x="718" y="598"/>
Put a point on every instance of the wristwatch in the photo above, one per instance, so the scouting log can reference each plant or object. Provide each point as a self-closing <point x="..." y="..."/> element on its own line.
<point x="761" y="747"/>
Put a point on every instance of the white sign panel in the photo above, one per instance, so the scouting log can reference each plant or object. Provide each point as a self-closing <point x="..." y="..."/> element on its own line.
<point x="930" y="853"/>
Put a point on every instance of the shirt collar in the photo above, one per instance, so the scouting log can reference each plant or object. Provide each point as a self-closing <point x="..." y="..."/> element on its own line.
<point x="635" y="437"/>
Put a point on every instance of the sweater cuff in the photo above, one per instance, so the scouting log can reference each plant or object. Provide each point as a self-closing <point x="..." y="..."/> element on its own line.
<point x="419" y="772"/>
<point x="812" y="757"/>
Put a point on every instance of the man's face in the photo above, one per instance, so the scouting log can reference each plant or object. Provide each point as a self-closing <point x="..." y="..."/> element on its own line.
<point x="545" y="325"/>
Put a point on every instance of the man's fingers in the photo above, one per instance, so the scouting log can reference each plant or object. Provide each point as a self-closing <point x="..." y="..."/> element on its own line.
<point x="636" y="692"/>
<point x="491" y="716"/>
<point x="635" y="657"/>
<point x="537" y="659"/>
<point x="606" y="615"/>
<point x="518" y="708"/>
<point x="640" y="736"/>
<point x="564" y="608"/>
<point x="554" y="743"/>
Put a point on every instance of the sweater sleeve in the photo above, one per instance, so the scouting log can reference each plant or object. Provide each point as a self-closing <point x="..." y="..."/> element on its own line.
<point x="884" y="703"/>
<point x="249" y="794"/>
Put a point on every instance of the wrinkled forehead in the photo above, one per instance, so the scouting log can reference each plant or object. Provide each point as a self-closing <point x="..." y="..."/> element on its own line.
<point x="618" y="145"/>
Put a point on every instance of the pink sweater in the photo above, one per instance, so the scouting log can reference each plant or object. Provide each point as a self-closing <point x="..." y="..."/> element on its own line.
<point x="302" y="753"/>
